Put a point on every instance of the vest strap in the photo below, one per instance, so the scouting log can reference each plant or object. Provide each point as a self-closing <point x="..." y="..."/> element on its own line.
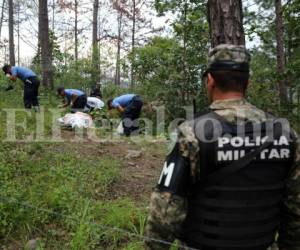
<point x="240" y="204"/>
<point x="244" y="230"/>
<point x="277" y="186"/>
<point x="235" y="217"/>
<point x="242" y="244"/>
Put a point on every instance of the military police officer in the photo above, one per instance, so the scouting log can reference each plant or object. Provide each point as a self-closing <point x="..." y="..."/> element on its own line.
<point x="232" y="180"/>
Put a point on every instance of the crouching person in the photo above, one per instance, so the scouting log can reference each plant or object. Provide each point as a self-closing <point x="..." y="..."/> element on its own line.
<point x="72" y="97"/>
<point x="31" y="84"/>
<point x="130" y="107"/>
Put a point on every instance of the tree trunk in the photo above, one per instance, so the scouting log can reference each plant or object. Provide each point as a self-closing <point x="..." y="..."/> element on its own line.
<point x="12" y="59"/>
<point x="225" y="19"/>
<point x="280" y="52"/>
<point x="44" y="40"/>
<point x="133" y="42"/>
<point x="76" y="31"/>
<point x="99" y="47"/>
<point x="53" y="16"/>
<point x="185" y="63"/>
<point x="2" y="16"/>
<point x="95" y="47"/>
<point x="18" y="22"/>
<point x="118" y="63"/>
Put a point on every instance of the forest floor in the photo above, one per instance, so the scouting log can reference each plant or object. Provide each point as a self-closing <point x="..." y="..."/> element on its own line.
<point x="73" y="195"/>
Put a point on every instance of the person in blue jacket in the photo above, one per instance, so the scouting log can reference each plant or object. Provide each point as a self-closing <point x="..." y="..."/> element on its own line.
<point x="31" y="84"/>
<point x="130" y="106"/>
<point x="75" y="98"/>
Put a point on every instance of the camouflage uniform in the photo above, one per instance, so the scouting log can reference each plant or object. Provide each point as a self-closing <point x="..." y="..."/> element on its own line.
<point x="168" y="211"/>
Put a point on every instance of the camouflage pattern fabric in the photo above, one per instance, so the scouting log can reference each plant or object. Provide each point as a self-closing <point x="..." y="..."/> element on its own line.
<point x="167" y="212"/>
<point x="289" y="234"/>
<point x="238" y="111"/>
<point x="227" y="52"/>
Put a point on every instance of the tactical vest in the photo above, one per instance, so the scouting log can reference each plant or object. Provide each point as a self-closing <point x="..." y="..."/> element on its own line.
<point x="241" y="211"/>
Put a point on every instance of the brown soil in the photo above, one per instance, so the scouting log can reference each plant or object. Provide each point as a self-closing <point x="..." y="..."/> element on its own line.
<point x="138" y="174"/>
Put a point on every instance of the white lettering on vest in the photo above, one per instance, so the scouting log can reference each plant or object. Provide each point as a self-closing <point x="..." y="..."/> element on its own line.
<point x="225" y="156"/>
<point x="285" y="153"/>
<point x="237" y="142"/>
<point x="248" y="143"/>
<point x="283" y="141"/>
<point x="167" y="171"/>
<point x="274" y="154"/>
<point x="223" y="141"/>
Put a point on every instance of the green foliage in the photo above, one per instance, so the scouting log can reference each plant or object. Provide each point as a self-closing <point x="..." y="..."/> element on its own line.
<point x="58" y="57"/>
<point x="157" y="65"/>
<point x="112" y="91"/>
<point x="67" y="189"/>
<point x="263" y="81"/>
<point x="171" y="67"/>
<point x="291" y="15"/>
<point x="76" y="75"/>
<point x="59" y="192"/>
<point x="121" y="214"/>
<point x="158" y="68"/>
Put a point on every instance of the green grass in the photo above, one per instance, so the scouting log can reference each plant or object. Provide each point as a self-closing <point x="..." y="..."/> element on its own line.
<point x="58" y="193"/>
<point x="72" y="187"/>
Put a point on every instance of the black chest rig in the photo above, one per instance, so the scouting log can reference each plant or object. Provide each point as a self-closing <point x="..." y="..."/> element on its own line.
<point x="233" y="207"/>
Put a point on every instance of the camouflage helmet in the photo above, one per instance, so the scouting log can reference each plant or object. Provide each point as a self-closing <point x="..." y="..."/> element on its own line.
<point x="228" y="57"/>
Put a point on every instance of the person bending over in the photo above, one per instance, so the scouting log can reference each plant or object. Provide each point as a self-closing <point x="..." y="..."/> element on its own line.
<point x="72" y="97"/>
<point x="130" y="107"/>
<point x="31" y="84"/>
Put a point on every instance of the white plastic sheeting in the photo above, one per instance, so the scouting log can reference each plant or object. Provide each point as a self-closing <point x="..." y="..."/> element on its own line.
<point x="120" y="129"/>
<point x="95" y="103"/>
<point x="77" y="120"/>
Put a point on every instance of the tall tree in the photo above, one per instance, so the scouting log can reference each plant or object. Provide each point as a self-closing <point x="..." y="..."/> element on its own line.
<point x="119" y="6"/>
<point x="18" y="28"/>
<point x="44" y="41"/>
<point x="119" y="39"/>
<point x="76" y="30"/>
<point x="225" y="19"/>
<point x="53" y="15"/>
<point x="280" y="51"/>
<point x="2" y="15"/>
<point x="12" y="59"/>
<point x="191" y="31"/>
<point x="95" y="45"/>
<point x="134" y="14"/>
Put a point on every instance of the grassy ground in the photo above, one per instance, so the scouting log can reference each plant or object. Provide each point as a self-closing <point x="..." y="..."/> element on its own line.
<point x="71" y="195"/>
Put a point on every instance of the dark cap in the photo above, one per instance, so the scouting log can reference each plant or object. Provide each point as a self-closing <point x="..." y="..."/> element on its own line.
<point x="60" y="89"/>
<point x="6" y="68"/>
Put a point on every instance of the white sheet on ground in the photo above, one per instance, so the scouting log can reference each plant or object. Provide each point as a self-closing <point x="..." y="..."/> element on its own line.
<point x="95" y="102"/>
<point x="120" y="129"/>
<point x="77" y="120"/>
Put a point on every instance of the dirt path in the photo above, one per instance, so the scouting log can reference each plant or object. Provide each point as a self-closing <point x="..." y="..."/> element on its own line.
<point x="139" y="174"/>
<point x="141" y="164"/>
<point x="141" y="167"/>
